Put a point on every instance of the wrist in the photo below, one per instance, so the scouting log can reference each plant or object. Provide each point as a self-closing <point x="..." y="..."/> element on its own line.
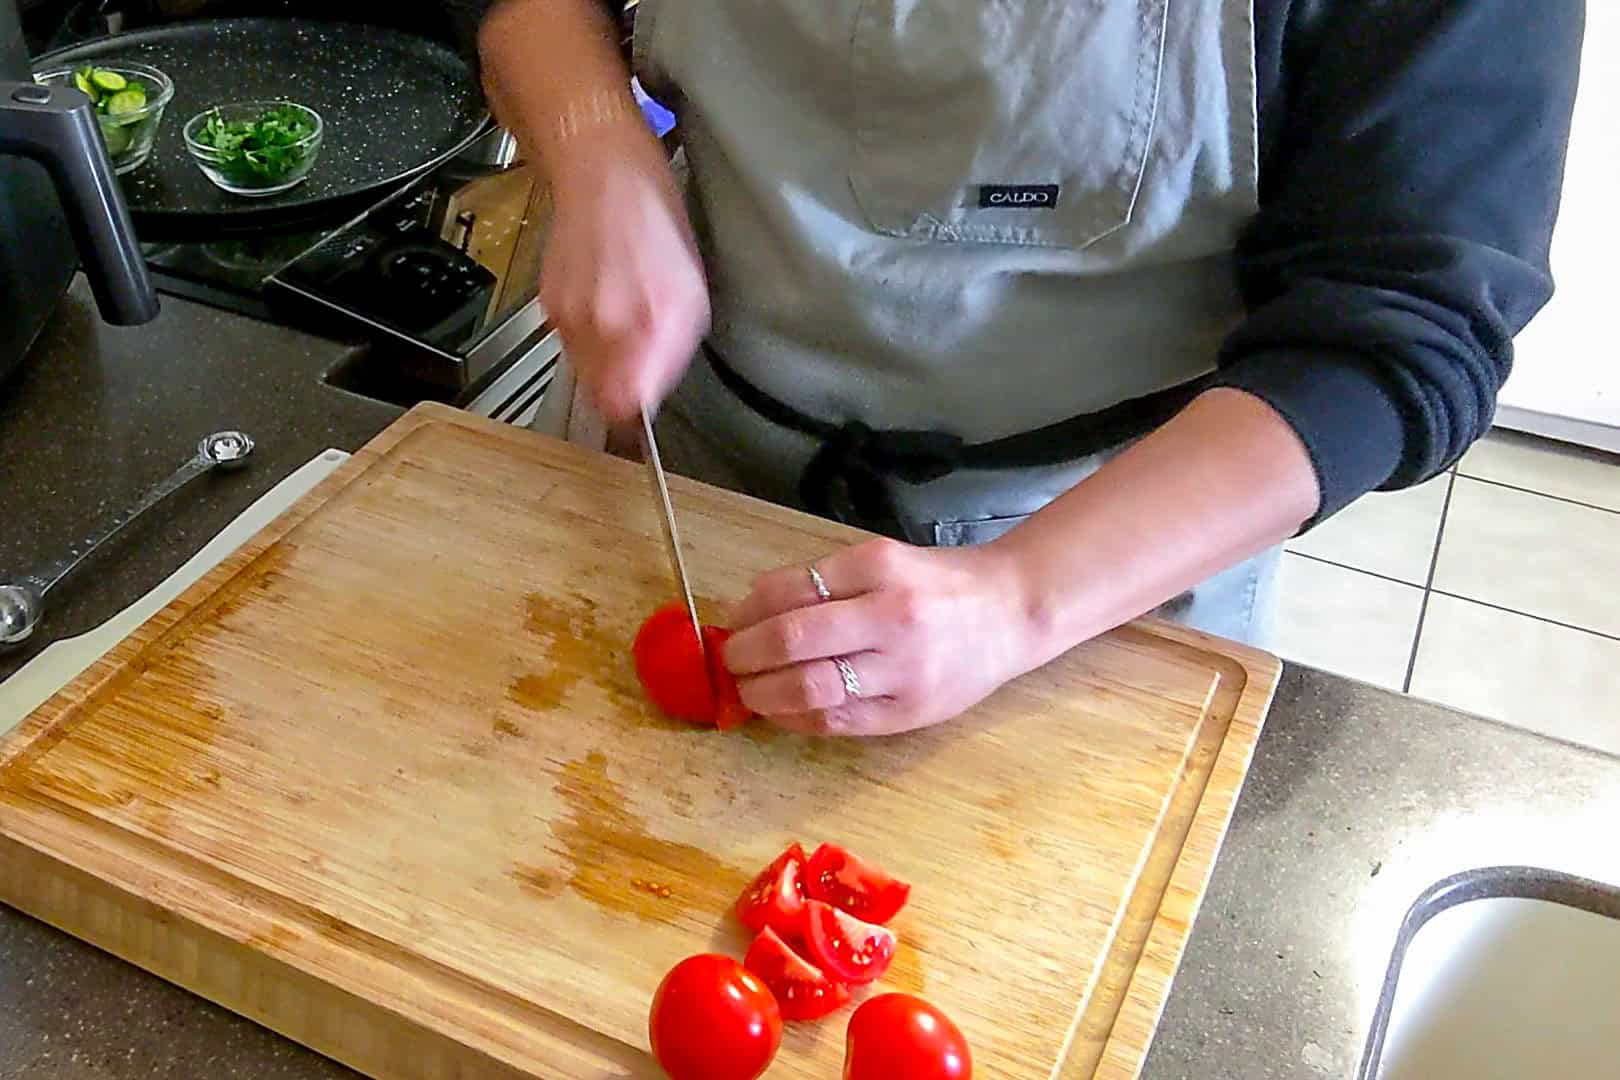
<point x="1026" y="615"/>
<point x="577" y="166"/>
<point x="1050" y="611"/>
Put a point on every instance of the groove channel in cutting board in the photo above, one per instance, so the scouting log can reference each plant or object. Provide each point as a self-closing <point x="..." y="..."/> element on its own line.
<point x="407" y="732"/>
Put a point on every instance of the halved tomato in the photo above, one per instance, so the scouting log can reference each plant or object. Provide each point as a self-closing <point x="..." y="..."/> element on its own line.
<point x="844" y="947"/>
<point x="803" y="990"/>
<point x="851" y="884"/>
<point x="670" y="666"/>
<point x="776" y="897"/>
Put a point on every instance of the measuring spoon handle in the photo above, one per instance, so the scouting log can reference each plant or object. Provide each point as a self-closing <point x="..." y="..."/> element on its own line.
<point x="224" y="448"/>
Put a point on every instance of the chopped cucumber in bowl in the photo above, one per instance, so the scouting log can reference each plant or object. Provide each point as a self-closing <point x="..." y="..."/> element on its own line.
<point x="128" y="100"/>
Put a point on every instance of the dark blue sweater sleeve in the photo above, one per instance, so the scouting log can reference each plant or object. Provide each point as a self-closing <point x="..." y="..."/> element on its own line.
<point x="1412" y="154"/>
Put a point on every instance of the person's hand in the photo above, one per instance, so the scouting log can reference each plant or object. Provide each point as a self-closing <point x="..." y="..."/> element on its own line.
<point x="621" y="279"/>
<point x="927" y="633"/>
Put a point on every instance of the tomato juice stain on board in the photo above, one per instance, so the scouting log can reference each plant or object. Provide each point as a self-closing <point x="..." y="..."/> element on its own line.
<point x="573" y="651"/>
<point x="537" y="693"/>
<point x="578" y="649"/>
<point x="543" y="883"/>
<point x="907" y="973"/>
<point x="663" y="892"/>
<point x="503" y="726"/>
<point x="609" y="849"/>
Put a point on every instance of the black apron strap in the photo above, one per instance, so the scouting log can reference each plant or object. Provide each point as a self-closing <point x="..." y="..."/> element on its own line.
<point x="849" y="479"/>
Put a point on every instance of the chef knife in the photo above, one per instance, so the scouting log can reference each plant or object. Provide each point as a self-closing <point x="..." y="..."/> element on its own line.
<point x="672" y="536"/>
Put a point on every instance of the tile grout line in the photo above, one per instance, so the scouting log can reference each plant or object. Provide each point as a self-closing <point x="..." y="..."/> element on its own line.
<point x="1544" y="494"/>
<point x="1428" y="585"/>
<point x="1353" y="569"/>
<point x="1526" y="615"/>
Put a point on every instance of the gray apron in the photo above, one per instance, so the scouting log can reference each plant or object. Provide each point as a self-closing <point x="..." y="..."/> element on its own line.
<point x="961" y="216"/>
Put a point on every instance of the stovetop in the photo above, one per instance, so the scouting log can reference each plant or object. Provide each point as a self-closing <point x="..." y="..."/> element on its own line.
<point x="229" y="273"/>
<point x="439" y="277"/>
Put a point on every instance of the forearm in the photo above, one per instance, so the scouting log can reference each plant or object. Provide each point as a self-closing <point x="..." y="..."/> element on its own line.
<point x="555" y="78"/>
<point x="1407" y="197"/>
<point x="1224" y="480"/>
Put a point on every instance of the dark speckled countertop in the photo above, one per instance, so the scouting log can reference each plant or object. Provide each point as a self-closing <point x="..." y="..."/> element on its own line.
<point x="97" y="414"/>
<point x="1358" y="799"/>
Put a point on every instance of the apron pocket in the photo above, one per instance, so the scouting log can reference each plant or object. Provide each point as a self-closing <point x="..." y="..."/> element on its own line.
<point x="975" y="530"/>
<point x="1003" y="121"/>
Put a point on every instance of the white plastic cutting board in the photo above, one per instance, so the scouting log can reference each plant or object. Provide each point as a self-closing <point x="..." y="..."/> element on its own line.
<point x="62" y="661"/>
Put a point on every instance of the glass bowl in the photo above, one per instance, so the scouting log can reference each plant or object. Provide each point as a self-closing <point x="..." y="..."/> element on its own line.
<point x="128" y="128"/>
<point x="245" y="162"/>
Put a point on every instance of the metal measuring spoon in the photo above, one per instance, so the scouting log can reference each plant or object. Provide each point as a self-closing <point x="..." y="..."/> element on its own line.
<point x="22" y="602"/>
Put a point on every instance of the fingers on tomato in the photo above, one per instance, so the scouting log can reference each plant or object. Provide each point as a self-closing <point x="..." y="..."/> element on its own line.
<point x="713" y="1019"/>
<point x="775" y="898"/>
<point x="844" y="947"/>
<point x="671" y="666"/>
<point x="802" y="990"/>
<point x="851" y="884"/>
<point x="897" y="1035"/>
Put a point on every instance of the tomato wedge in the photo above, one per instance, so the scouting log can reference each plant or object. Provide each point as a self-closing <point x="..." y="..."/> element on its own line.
<point x="851" y="884"/>
<point x="802" y="990"/>
<point x="844" y="947"/>
<point x="776" y="897"/>
<point x="671" y="669"/>
<point x="729" y="710"/>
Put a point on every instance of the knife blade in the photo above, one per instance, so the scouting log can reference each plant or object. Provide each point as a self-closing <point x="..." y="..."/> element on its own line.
<point x="672" y="536"/>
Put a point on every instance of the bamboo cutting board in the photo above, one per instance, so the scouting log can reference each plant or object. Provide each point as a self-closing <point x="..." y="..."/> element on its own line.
<point x="383" y="781"/>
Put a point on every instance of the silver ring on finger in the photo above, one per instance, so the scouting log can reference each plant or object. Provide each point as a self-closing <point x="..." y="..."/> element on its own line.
<point x="846" y="672"/>
<point x="822" y="592"/>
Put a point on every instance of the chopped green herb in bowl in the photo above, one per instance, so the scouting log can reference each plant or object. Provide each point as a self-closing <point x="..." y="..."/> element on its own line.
<point x="255" y="147"/>
<point x="128" y="100"/>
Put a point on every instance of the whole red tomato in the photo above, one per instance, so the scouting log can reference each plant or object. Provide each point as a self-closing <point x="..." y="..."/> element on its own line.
<point x="713" y="1019"/>
<point x="898" y="1035"/>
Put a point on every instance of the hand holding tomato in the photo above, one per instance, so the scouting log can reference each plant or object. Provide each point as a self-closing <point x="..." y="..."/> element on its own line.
<point x="928" y="633"/>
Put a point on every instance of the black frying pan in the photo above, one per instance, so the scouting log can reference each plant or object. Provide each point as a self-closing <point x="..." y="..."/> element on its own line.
<point x="394" y="106"/>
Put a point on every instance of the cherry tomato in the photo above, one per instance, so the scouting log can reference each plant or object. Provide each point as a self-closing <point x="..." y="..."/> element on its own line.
<point x="670" y="666"/>
<point x="803" y="990"/>
<point x="897" y="1035"/>
<point x="776" y="897"/>
<point x="851" y="884"/>
<point x="844" y="947"/>
<point x="713" y="1019"/>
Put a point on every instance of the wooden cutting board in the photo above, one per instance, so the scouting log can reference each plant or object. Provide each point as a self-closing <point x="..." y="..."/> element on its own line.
<point x="383" y="781"/>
